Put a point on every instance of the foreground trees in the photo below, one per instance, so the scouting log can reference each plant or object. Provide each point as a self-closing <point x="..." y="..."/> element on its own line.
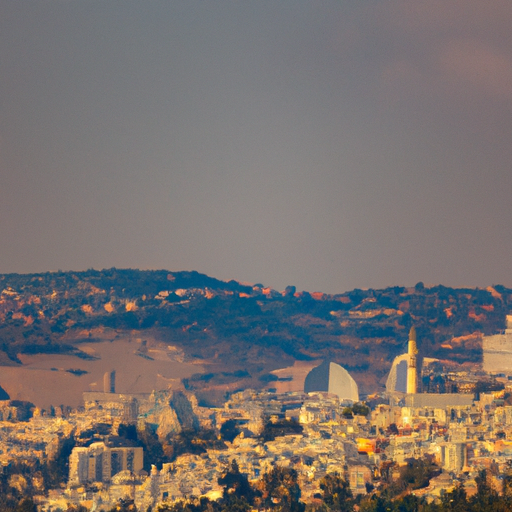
<point x="279" y="491"/>
<point x="337" y="495"/>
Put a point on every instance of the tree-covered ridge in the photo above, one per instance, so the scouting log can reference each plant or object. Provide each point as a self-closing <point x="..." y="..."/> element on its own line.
<point x="246" y="327"/>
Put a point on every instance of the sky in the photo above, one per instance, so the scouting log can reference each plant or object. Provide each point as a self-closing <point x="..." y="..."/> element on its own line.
<point x="329" y="145"/>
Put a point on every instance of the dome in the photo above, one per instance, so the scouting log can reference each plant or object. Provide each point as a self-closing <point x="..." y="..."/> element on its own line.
<point x="332" y="378"/>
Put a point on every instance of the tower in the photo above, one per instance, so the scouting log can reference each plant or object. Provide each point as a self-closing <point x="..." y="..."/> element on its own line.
<point x="109" y="382"/>
<point x="411" y="367"/>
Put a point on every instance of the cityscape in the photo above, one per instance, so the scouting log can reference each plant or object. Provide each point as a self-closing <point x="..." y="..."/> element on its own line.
<point x="255" y="256"/>
<point x="432" y="433"/>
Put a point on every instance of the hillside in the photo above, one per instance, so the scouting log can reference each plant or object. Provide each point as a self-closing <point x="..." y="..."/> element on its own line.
<point x="240" y="333"/>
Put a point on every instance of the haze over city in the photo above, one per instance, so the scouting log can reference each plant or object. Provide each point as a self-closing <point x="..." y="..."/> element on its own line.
<point x="329" y="146"/>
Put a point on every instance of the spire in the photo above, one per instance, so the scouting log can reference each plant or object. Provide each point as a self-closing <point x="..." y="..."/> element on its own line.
<point x="411" y="367"/>
<point x="412" y="347"/>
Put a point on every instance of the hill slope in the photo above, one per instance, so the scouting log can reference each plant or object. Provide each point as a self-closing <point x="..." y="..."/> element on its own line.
<point x="242" y="332"/>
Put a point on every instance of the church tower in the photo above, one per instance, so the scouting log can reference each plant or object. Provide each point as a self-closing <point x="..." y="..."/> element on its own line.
<point x="412" y="351"/>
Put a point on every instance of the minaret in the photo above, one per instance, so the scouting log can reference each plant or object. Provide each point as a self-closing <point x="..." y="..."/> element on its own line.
<point x="411" y="367"/>
<point x="109" y="382"/>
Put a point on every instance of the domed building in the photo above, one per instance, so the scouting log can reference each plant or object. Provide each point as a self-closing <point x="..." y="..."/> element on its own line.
<point x="397" y="378"/>
<point x="332" y="378"/>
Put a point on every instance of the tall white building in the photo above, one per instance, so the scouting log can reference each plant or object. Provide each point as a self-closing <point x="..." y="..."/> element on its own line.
<point x="403" y="376"/>
<point x="412" y="352"/>
<point x="99" y="463"/>
<point x="454" y="456"/>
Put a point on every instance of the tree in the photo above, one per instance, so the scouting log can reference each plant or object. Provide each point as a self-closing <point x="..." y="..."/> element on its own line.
<point x="178" y="506"/>
<point x="153" y="451"/>
<point x="56" y="470"/>
<point x="347" y="413"/>
<point x="486" y="497"/>
<point x="229" y="430"/>
<point x="284" y="427"/>
<point x="417" y="473"/>
<point x="392" y="429"/>
<point x="507" y="483"/>
<point x="76" y="508"/>
<point x="409" y="503"/>
<point x="236" y="485"/>
<point x="26" y="505"/>
<point x="337" y="495"/>
<point x="455" y="500"/>
<point x="281" y="491"/>
<point x="360" y="409"/>
<point x="192" y="441"/>
<point x="374" y="503"/>
<point x="129" y="432"/>
<point x="124" y="505"/>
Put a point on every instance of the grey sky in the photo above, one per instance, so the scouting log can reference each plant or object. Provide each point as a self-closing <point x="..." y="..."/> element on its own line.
<point x="330" y="144"/>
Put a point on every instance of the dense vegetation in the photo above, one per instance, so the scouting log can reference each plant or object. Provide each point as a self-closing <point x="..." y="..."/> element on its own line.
<point x="278" y="490"/>
<point x="279" y="428"/>
<point x="20" y="482"/>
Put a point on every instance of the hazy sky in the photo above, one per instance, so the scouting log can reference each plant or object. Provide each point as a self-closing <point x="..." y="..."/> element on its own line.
<point x="326" y="144"/>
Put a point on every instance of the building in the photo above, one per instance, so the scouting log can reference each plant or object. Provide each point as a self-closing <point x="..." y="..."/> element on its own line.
<point x="109" y="382"/>
<point x="359" y="477"/>
<point x="412" y="351"/>
<point x="497" y="351"/>
<point x="438" y="401"/>
<point x="99" y="463"/>
<point x="332" y="378"/>
<point x="403" y="377"/>
<point x="454" y="456"/>
<point x="397" y="378"/>
<point x="121" y="406"/>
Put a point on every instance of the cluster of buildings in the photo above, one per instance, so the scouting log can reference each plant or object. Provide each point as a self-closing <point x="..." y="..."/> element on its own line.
<point x="459" y="432"/>
<point x="38" y="438"/>
<point x="459" y="439"/>
<point x="100" y="462"/>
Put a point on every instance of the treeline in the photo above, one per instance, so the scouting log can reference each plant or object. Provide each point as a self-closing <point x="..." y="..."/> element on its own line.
<point x="276" y="490"/>
<point x="21" y="481"/>
<point x="279" y="491"/>
<point x="486" y="499"/>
